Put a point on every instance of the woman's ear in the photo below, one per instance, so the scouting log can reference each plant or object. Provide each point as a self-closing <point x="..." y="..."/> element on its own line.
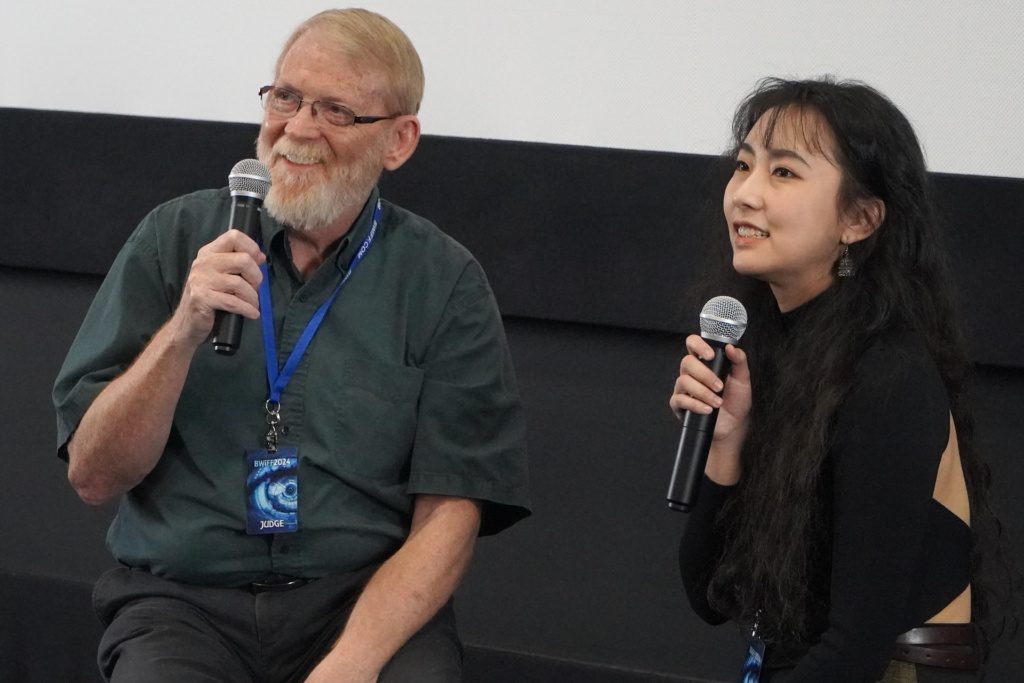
<point x="863" y="219"/>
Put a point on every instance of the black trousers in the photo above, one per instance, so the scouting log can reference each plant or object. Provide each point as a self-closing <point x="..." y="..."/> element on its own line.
<point x="159" y="630"/>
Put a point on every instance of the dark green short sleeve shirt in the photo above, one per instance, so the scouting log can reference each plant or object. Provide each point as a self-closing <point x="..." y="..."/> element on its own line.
<point x="406" y="389"/>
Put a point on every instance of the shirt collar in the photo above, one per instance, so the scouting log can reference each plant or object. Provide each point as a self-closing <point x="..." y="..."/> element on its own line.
<point x="274" y="235"/>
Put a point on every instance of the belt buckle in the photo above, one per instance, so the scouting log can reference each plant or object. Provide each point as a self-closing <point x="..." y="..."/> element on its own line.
<point x="275" y="583"/>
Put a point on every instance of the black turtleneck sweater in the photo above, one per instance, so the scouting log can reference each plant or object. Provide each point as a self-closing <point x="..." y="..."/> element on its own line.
<point x="897" y="555"/>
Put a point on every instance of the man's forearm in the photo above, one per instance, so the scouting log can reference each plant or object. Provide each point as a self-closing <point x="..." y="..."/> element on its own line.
<point x="123" y="433"/>
<point x="407" y="590"/>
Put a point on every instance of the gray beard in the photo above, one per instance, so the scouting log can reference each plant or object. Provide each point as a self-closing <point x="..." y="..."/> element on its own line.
<point x="317" y="206"/>
<point x="311" y="208"/>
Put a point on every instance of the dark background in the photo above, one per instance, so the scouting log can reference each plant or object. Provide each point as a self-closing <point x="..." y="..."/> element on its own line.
<point x="588" y="251"/>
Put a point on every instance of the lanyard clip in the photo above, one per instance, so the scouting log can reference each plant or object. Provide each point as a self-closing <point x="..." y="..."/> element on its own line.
<point x="755" y="628"/>
<point x="273" y="409"/>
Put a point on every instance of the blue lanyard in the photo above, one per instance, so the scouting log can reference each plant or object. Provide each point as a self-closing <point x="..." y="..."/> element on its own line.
<point x="277" y="381"/>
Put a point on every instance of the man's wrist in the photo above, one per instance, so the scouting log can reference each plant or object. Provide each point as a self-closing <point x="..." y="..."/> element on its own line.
<point x="339" y="666"/>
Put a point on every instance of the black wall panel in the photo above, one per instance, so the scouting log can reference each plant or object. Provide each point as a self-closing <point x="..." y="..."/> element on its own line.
<point x="588" y="251"/>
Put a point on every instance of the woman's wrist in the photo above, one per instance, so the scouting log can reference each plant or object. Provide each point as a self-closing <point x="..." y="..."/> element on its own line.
<point x="723" y="466"/>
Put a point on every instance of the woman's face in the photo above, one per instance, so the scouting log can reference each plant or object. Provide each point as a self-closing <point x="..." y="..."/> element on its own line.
<point x="782" y="208"/>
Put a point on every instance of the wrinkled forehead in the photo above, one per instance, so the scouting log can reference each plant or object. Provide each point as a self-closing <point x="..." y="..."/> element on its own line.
<point x="794" y="127"/>
<point x="315" y="52"/>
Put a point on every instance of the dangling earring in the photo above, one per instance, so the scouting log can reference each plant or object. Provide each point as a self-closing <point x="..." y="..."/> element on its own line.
<point x="844" y="268"/>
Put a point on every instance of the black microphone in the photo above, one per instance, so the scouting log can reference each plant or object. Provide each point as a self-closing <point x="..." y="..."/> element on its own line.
<point x="722" y="321"/>
<point x="249" y="182"/>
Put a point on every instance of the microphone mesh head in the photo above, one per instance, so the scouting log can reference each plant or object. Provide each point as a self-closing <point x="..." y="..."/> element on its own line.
<point x="723" y="319"/>
<point x="249" y="177"/>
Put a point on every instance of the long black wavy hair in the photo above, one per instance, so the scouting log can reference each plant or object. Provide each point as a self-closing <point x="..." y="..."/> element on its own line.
<point x="773" y="564"/>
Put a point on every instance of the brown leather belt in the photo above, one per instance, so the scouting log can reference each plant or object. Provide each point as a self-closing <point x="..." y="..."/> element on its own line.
<point x="948" y="646"/>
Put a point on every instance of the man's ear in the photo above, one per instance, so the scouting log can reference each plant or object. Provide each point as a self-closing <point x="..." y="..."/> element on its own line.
<point x="405" y="136"/>
<point x="863" y="219"/>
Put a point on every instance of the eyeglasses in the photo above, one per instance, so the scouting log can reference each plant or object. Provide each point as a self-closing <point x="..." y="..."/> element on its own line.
<point x="284" y="102"/>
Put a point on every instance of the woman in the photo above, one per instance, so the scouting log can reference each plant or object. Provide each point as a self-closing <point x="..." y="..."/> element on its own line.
<point x="842" y="499"/>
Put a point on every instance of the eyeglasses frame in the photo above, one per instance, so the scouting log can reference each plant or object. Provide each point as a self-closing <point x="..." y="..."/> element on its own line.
<point x="314" y="108"/>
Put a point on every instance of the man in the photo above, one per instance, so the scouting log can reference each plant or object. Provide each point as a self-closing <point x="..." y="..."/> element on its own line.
<point x="330" y="551"/>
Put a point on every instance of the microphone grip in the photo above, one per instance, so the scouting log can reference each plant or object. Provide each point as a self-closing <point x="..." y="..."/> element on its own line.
<point x="695" y="443"/>
<point x="227" y="327"/>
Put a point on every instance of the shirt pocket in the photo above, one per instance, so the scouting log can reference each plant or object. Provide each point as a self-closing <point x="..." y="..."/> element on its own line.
<point x="375" y="419"/>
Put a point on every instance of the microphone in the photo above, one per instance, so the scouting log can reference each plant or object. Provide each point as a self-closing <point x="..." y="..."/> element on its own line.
<point x="249" y="182"/>
<point x="723" y="320"/>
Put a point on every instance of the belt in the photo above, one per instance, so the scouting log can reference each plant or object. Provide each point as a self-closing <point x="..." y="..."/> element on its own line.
<point x="274" y="583"/>
<point x="947" y="646"/>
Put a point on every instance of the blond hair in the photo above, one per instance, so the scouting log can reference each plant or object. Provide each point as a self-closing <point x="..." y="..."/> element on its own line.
<point x="369" y="39"/>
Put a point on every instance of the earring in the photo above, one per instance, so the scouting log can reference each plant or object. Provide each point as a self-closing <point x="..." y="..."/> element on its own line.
<point x="844" y="268"/>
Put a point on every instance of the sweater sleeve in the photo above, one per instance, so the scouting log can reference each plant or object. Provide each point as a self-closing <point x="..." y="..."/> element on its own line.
<point x="701" y="547"/>
<point x="891" y="432"/>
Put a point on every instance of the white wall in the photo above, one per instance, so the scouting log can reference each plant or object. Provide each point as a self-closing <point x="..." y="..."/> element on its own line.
<point x="643" y="74"/>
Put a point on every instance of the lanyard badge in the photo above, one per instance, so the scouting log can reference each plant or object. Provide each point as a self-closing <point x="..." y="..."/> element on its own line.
<point x="272" y="491"/>
<point x="272" y="480"/>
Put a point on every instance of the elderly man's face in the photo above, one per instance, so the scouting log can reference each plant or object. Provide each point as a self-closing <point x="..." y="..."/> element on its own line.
<point x="321" y="171"/>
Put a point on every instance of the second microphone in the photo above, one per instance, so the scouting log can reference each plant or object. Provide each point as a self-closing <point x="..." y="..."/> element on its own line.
<point x="723" y="320"/>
